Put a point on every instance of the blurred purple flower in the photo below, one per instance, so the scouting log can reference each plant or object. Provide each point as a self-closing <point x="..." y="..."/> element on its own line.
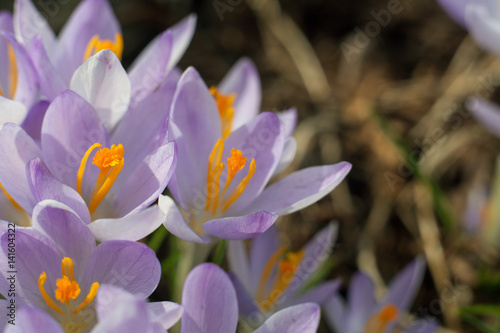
<point x="60" y="269"/>
<point x="231" y="201"/>
<point x="127" y="174"/>
<point x="363" y="313"/>
<point x="480" y="17"/>
<point x="268" y="278"/>
<point x="210" y="306"/>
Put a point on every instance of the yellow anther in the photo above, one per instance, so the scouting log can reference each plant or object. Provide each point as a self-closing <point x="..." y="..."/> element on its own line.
<point x="96" y="44"/>
<point x="266" y="273"/>
<point x="67" y="268"/>
<point x="11" y="200"/>
<point x="110" y="161"/>
<point x="66" y="289"/>
<point x="379" y="321"/>
<point x="226" y="110"/>
<point x="13" y="72"/>
<point x="235" y="163"/>
<point x="46" y="297"/>
<point x="89" y="298"/>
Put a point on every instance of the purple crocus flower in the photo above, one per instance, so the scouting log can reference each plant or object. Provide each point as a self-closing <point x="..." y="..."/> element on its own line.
<point x="269" y="278"/>
<point x="480" y="17"/>
<point x="230" y="200"/>
<point x="210" y="306"/>
<point x="59" y="268"/>
<point x="93" y="27"/>
<point x="363" y="313"/>
<point x="108" y="179"/>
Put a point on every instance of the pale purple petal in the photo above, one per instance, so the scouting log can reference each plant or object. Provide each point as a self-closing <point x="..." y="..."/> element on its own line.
<point x="456" y="9"/>
<point x="70" y="127"/>
<point x="103" y="82"/>
<point x="425" y="325"/>
<point x="28" y="23"/>
<point x="91" y="17"/>
<point x="195" y="126"/>
<point x="209" y="301"/>
<point x="128" y="315"/>
<point x="145" y="184"/>
<point x="319" y="294"/>
<point x="44" y="186"/>
<point x="486" y="113"/>
<point x="6" y="21"/>
<point x="484" y="26"/>
<point x="287" y="155"/>
<point x="336" y="314"/>
<point x="182" y="34"/>
<point x="128" y="265"/>
<point x="33" y="320"/>
<point x="17" y="147"/>
<point x="301" y="188"/>
<point x="12" y="111"/>
<point x="405" y="285"/>
<point x="302" y="318"/>
<point x="238" y="262"/>
<point x="150" y="68"/>
<point x="288" y="120"/>
<point x="51" y="83"/>
<point x="175" y="222"/>
<point x="66" y="230"/>
<point x="240" y="227"/>
<point x="362" y="303"/>
<point x="32" y="124"/>
<point x="246" y="304"/>
<point x="243" y="80"/>
<point x="131" y="227"/>
<point x="261" y="250"/>
<point x="261" y="139"/>
<point x="165" y="313"/>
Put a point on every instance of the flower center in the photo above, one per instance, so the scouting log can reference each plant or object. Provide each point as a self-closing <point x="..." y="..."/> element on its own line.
<point x="110" y="161"/>
<point x="13" y="75"/>
<point x="379" y="321"/>
<point x="67" y="292"/>
<point x="287" y="263"/>
<point x="226" y="110"/>
<point x="96" y="44"/>
<point x="235" y="163"/>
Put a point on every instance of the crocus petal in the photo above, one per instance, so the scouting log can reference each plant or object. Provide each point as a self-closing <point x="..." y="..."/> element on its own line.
<point x="362" y="303"/>
<point x="129" y="265"/>
<point x="33" y="320"/>
<point x="238" y="261"/>
<point x="70" y="234"/>
<point x="182" y="34"/>
<point x="103" y="82"/>
<point x="486" y="113"/>
<point x="51" y="83"/>
<point x="195" y="126"/>
<point x="241" y="227"/>
<point x="6" y="21"/>
<point x="288" y="120"/>
<point x="301" y="188"/>
<point x="246" y="304"/>
<point x="28" y="23"/>
<point x="32" y="124"/>
<point x="91" y="17"/>
<point x="243" y="79"/>
<point x="27" y="84"/>
<point x="175" y="222"/>
<point x="38" y="255"/>
<point x="456" y="9"/>
<point x="404" y="286"/>
<point x="261" y="139"/>
<point x="302" y="318"/>
<point x="147" y="182"/>
<point x="128" y="315"/>
<point x="261" y="249"/>
<point x="18" y="148"/>
<point x="70" y="127"/>
<point x="45" y="186"/>
<point x="317" y="251"/>
<point x="209" y="301"/>
<point x="150" y="68"/>
<point x="287" y="155"/>
<point x="165" y="313"/>
<point x="336" y="314"/>
<point x="12" y="111"/>
<point x="425" y="325"/>
<point x="319" y="294"/>
<point x="484" y="26"/>
<point x="131" y="227"/>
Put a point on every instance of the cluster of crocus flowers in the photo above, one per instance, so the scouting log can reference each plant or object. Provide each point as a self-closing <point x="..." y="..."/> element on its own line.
<point x="87" y="149"/>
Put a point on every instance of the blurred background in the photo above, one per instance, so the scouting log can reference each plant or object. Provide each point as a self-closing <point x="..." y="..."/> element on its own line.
<point x="381" y="84"/>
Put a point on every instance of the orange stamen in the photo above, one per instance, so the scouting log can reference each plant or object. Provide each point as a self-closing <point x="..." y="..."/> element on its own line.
<point x="379" y="321"/>
<point x="226" y="110"/>
<point x="11" y="200"/>
<point x="96" y="44"/>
